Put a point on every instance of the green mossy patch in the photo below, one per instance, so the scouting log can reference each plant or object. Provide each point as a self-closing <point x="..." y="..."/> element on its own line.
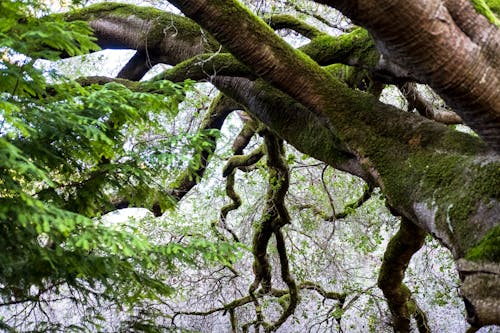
<point x="494" y="6"/>
<point x="488" y="249"/>
<point x="430" y="164"/>
<point x="356" y="46"/>
<point x="489" y="8"/>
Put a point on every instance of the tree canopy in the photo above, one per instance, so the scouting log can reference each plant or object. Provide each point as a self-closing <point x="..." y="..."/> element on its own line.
<point x="76" y="146"/>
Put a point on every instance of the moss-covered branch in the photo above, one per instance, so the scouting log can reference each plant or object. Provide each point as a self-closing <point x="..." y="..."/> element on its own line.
<point x="229" y="173"/>
<point x="454" y="62"/>
<point x="283" y="21"/>
<point x="407" y="241"/>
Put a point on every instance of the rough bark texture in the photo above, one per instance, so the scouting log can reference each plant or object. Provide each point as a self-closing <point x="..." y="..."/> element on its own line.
<point x="447" y="45"/>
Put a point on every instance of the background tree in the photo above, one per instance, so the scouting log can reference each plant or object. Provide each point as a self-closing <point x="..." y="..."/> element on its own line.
<point x="323" y="99"/>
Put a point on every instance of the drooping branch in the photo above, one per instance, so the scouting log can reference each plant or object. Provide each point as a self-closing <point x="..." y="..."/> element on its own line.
<point x="407" y="241"/>
<point x="275" y="216"/>
<point x="214" y="119"/>
<point x="229" y="172"/>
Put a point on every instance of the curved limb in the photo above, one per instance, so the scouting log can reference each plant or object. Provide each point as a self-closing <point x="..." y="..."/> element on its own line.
<point x="407" y="241"/>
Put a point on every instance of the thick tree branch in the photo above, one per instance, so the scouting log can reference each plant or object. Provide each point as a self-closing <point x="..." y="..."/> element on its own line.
<point x="160" y="36"/>
<point x="400" y="150"/>
<point x="407" y="241"/>
<point x="453" y="49"/>
<point x="422" y="167"/>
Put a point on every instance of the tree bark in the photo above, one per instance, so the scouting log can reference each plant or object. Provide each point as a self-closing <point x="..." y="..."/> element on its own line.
<point x="445" y="44"/>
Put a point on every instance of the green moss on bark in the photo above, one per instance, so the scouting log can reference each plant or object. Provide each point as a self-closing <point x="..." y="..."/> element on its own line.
<point x="488" y="249"/>
<point x="354" y="47"/>
<point x="445" y="179"/>
<point x="489" y="8"/>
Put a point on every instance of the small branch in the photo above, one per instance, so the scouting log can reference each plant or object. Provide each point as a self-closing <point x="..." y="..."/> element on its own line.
<point x="238" y="161"/>
<point x="288" y="279"/>
<point x="323" y="182"/>
<point x="277" y="293"/>
<point x="348" y="209"/>
<point x="319" y="18"/>
<point x="425" y="108"/>
<point x="283" y="21"/>
<point x="235" y="204"/>
<point x="308" y="285"/>
<point x="229" y="172"/>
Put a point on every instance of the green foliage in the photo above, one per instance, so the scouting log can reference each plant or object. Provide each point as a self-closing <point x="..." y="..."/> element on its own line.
<point x="65" y="152"/>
